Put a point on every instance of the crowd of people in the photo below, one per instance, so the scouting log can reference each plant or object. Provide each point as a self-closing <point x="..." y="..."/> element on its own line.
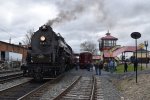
<point x="98" y="65"/>
<point x="111" y="65"/>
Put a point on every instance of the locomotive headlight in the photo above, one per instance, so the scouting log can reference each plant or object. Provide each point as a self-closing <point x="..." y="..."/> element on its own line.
<point x="42" y="38"/>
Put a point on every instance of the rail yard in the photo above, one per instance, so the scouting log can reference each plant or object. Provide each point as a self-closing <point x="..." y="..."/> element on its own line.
<point x="80" y="84"/>
<point x="74" y="50"/>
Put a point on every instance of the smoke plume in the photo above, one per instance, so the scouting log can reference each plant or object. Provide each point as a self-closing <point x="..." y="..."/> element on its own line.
<point x="68" y="11"/>
<point x="73" y="10"/>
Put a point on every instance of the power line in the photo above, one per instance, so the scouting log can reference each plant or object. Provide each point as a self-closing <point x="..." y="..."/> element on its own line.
<point x="4" y="30"/>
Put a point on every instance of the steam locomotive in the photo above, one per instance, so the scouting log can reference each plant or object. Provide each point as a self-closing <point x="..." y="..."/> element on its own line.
<point x="49" y="54"/>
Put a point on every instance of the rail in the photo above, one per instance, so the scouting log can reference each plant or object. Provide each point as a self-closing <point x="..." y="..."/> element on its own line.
<point x="93" y="88"/>
<point x="67" y="89"/>
<point x="10" y="77"/>
<point x="28" y="95"/>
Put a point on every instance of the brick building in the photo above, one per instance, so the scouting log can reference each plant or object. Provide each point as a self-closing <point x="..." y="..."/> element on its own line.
<point x="11" y="49"/>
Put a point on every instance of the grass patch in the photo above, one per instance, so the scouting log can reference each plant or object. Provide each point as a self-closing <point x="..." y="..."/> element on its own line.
<point x="120" y="68"/>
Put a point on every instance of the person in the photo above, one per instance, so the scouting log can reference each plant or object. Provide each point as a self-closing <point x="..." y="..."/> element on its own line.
<point x="100" y="67"/>
<point x="76" y="65"/>
<point x="125" y="67"/>
<point x="91" y="66"/>
<point x="24" y="68"/>
<point x="115" y="65"/>
<point x="93" y="63"/>
<point x="96" y="66"/>
<point x="88" y="66"/>
<point x="111" y="66"/>
<point x="106" y="66"/>
<point x="135" y="65"/>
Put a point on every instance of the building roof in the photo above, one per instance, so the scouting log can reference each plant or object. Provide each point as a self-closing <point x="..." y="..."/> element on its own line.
<point x="129" y="48"/>
<point x="109" y="37"/>
<point x="120" y="50"/>
<point x="124" y="49"/>
<point x="20" y="46"/>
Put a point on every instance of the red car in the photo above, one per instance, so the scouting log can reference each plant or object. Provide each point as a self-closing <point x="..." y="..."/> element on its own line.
<point x="85" y="58"/>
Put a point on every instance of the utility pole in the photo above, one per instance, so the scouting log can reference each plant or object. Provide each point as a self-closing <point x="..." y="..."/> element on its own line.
<point x="10" y="40"/>
<point x="146" y="45"/>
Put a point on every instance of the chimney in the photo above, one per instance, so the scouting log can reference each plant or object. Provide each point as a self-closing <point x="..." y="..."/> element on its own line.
<point x="20" y="44"/>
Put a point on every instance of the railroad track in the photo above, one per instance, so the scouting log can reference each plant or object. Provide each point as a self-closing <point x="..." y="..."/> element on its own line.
<point x="15" y="92"/>
<point x="81" y="89"/>
<point x="10" y="77"/>
<point x="85" y="88"/>
<point x="98" y="91"/>
<point x="9" y="71"/>
<point x="22" y="91"/>
<point x="36" y="93"/>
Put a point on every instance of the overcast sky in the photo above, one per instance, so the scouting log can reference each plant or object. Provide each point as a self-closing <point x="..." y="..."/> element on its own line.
<point x="76" y="20"/>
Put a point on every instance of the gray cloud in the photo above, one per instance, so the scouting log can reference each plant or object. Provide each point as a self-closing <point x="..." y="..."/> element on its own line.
<point x="68" y="11"/>
<point x="74" y="10"/>
<point x="76" y="20"/>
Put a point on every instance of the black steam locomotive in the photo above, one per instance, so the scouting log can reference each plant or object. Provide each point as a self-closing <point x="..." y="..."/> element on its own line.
<point x="49" y="54"/>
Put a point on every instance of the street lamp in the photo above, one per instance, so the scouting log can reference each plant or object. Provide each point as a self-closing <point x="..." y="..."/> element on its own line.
<point x="136" y="35"/>
<point x="146" y="45"/>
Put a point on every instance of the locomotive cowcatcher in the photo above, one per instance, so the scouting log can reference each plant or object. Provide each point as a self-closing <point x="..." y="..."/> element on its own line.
<point x="48" y="56"/>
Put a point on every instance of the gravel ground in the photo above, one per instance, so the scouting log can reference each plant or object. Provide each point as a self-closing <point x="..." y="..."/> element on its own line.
<point x="59" y="87"/>
<point x="67" y="80"/>
<point x="132" y="90"/>
<point x="109" y="90"/>
<point x="13" y="83"/>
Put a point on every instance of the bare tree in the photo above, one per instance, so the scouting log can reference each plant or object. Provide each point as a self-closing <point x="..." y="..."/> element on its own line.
<point x="88" y="46"/>
<point x="28" y="36"/>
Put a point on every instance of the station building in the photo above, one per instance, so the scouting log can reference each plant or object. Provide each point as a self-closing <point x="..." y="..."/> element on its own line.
<point x="106" y="45"/>
<point x="142" y="55"/>
<point x="110" y="50"/>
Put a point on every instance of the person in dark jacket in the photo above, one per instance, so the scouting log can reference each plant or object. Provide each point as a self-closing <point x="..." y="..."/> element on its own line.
<point x="135" y="65"/>
<point x="96" y="64"/>
<point x="24" y="68"/>
<point x="88" y="66"/>
<point x="125" y="67"/>
<point x="77" y="65"/>
<point x="100" y="67"/>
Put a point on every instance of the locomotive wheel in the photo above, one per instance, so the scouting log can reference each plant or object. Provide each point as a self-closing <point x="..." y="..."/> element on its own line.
<point x="38" y="77"/>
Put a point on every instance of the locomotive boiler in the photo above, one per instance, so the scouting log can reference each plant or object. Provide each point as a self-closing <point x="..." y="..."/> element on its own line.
<point x="49" y="54"/>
